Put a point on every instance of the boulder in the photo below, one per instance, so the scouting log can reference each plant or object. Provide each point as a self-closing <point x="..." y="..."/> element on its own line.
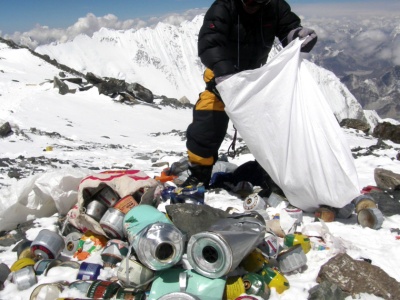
<point x="387" y="131"/>
<point x="62" y="86"/>
<point x="386" y="180"/>
<point x="140" y="92"/>
<point x="5" y="129"/>
<point x="326" y="291"/>
<point x="387" y="201"/>
<point x="356" y="277"/>
<point x="356" y="124"/>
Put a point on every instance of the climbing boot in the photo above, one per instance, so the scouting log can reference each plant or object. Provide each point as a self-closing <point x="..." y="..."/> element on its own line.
<point x="198" y="174"/>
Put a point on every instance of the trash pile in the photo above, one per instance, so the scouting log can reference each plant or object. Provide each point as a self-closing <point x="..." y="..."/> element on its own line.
<point x="150" y="251"/>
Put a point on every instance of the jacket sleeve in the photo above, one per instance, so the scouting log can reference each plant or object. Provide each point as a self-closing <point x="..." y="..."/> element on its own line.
<point x="287" y="21"/>
<point x="213" y="39"/>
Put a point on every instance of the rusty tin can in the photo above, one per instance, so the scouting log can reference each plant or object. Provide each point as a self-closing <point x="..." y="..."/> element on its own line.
<point x="100" y="289"/>
<point x="47" y="245"/>
<point x="126" y="204"/>
<point x="114" y="252"/>
<point x="325" y="214"/>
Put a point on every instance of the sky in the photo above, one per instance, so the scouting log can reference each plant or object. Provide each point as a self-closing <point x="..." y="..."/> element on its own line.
<point x="85" y="137"/>
<point x="24" y="15"/>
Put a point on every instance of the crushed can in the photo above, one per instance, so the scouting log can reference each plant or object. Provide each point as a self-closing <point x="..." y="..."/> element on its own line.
<point x="43" y="265"/>
<point x="47" y="245"/>
<point x="114" y="252"/>
<point x="270" y="245"/>
<point x="291" y="259"/>
<point x="132" y="273"/>
<point x="47" y="291"/>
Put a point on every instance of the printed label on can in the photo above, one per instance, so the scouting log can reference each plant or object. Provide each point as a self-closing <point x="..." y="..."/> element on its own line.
<point x="103" y="289"/>
<point x="126" y="204"/>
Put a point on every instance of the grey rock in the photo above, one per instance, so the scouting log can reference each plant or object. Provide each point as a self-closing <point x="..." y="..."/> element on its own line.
<point x="386" y="180"/>
<point x="140" y="92"/>
<point x="326" y="291"/>
<point x="388" y="202"/>
<point x="5" y="129"/>
<point x="63" y="88"/>
<point x="387" y="131"/>
<point x="356" y="124"/>
<point x="356" y="277"/>
<point x="193" y="218"/>
<point x="93" y="78"/>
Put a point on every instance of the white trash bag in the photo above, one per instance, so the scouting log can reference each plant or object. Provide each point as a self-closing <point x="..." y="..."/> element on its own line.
<point x="282" y="115"/>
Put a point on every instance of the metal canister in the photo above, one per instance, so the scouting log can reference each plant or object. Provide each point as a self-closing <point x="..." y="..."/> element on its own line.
<point x="108" y="196"/>
<point x="254" y="284"/>
<point x="114" y="252"/>
<point x="234" y="287"/>
<point x="254" y="261"/>
<point x="100" y="289"/>
<point x="72" y="243"/>
<point x="24" y="278"/>
<point x="96" y="209"/>
<point x="178" y="295"/>
<point x="295" y="213"/>
<point x="364" y="201"/>
<point x="370" y="217"/>
<point x="292" y="259"/>
<point x="298" y="239"/>
<point x="89" y="271"/>
<point x="126" y="204"/>
<point x="274" y="279"/>
<point x="47" y="291"/>
<point x="254" y="202"/>
<point x="129" y="294"/>
<point x="219" y="250"/>
<point x="47" y="245"/>
<point x="43" y="265"/>
<point x="112" y="223"/>
<point x="270" y="245"/>
<point x="132" y="273"/>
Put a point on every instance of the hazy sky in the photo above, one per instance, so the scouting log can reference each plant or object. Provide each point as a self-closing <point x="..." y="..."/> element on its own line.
<point x="23" y="15"/>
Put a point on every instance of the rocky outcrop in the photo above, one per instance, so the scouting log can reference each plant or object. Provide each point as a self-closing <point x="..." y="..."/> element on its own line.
<point x="387" y="131"/>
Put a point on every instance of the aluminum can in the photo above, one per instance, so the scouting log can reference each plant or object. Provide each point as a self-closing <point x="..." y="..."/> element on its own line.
<point x="126" y="204"/>
<point x="47" y="245"/>
<point x="219" y="250"/>
<point x="370" y="217"/>
<point x="132" y="273"/>
<point x="254" y="284"/>
<point x="24" y="278"/>
<point x="89" y="271"/>
<point x="96" y="209"/>
<point x="254" y="202"/>
<point x="108" y="196"/>
<point x="100" y="289"/>
<point x="72" y="243"/>
<point x="292" y="259"/>
<point x="112" y="223"/>
<point x="114" y="252"/>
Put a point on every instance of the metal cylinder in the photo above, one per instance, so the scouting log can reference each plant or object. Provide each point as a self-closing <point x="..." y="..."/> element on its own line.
<point x="295" y="213"/>
<point x="114" y="252"/>
<point x="270" y="245"/>
<point x="89" y="271"/>
<point x="24" y="278"/>
<point x="126" y="204"/>
<point x="132" y="273"/>
<point x="370" y="217"/>
<point x="112" y="223"/>
<point x="108" y="196"/>
<point x="47" y="291"/>
<point x="254" y="202"/>
<point x="72" y="243"/>
<point x="100" y="289"/>
<point x="96" y="209"/>
<point x="292" y="259"/>
<point x="47" y="245"/>
<point x="254" y="284"/>
<point x="220" y="250"/>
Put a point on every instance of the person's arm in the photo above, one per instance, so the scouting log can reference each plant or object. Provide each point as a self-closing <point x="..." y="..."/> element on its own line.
<point x="213" y="39"/>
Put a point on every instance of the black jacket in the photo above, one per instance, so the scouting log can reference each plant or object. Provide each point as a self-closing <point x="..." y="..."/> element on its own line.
<point x="230" y="40"/>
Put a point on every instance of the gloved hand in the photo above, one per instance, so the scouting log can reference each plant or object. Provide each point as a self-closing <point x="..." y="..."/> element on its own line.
<point x="301" y="32"/>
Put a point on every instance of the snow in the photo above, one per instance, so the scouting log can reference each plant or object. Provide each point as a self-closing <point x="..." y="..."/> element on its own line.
<point x="91" y="126"/>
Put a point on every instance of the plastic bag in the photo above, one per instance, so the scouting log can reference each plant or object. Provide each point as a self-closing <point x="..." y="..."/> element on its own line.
<point x="282" y="115"/>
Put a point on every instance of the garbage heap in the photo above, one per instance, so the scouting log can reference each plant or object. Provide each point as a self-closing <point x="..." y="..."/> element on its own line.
<point x="154" y="253"/>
